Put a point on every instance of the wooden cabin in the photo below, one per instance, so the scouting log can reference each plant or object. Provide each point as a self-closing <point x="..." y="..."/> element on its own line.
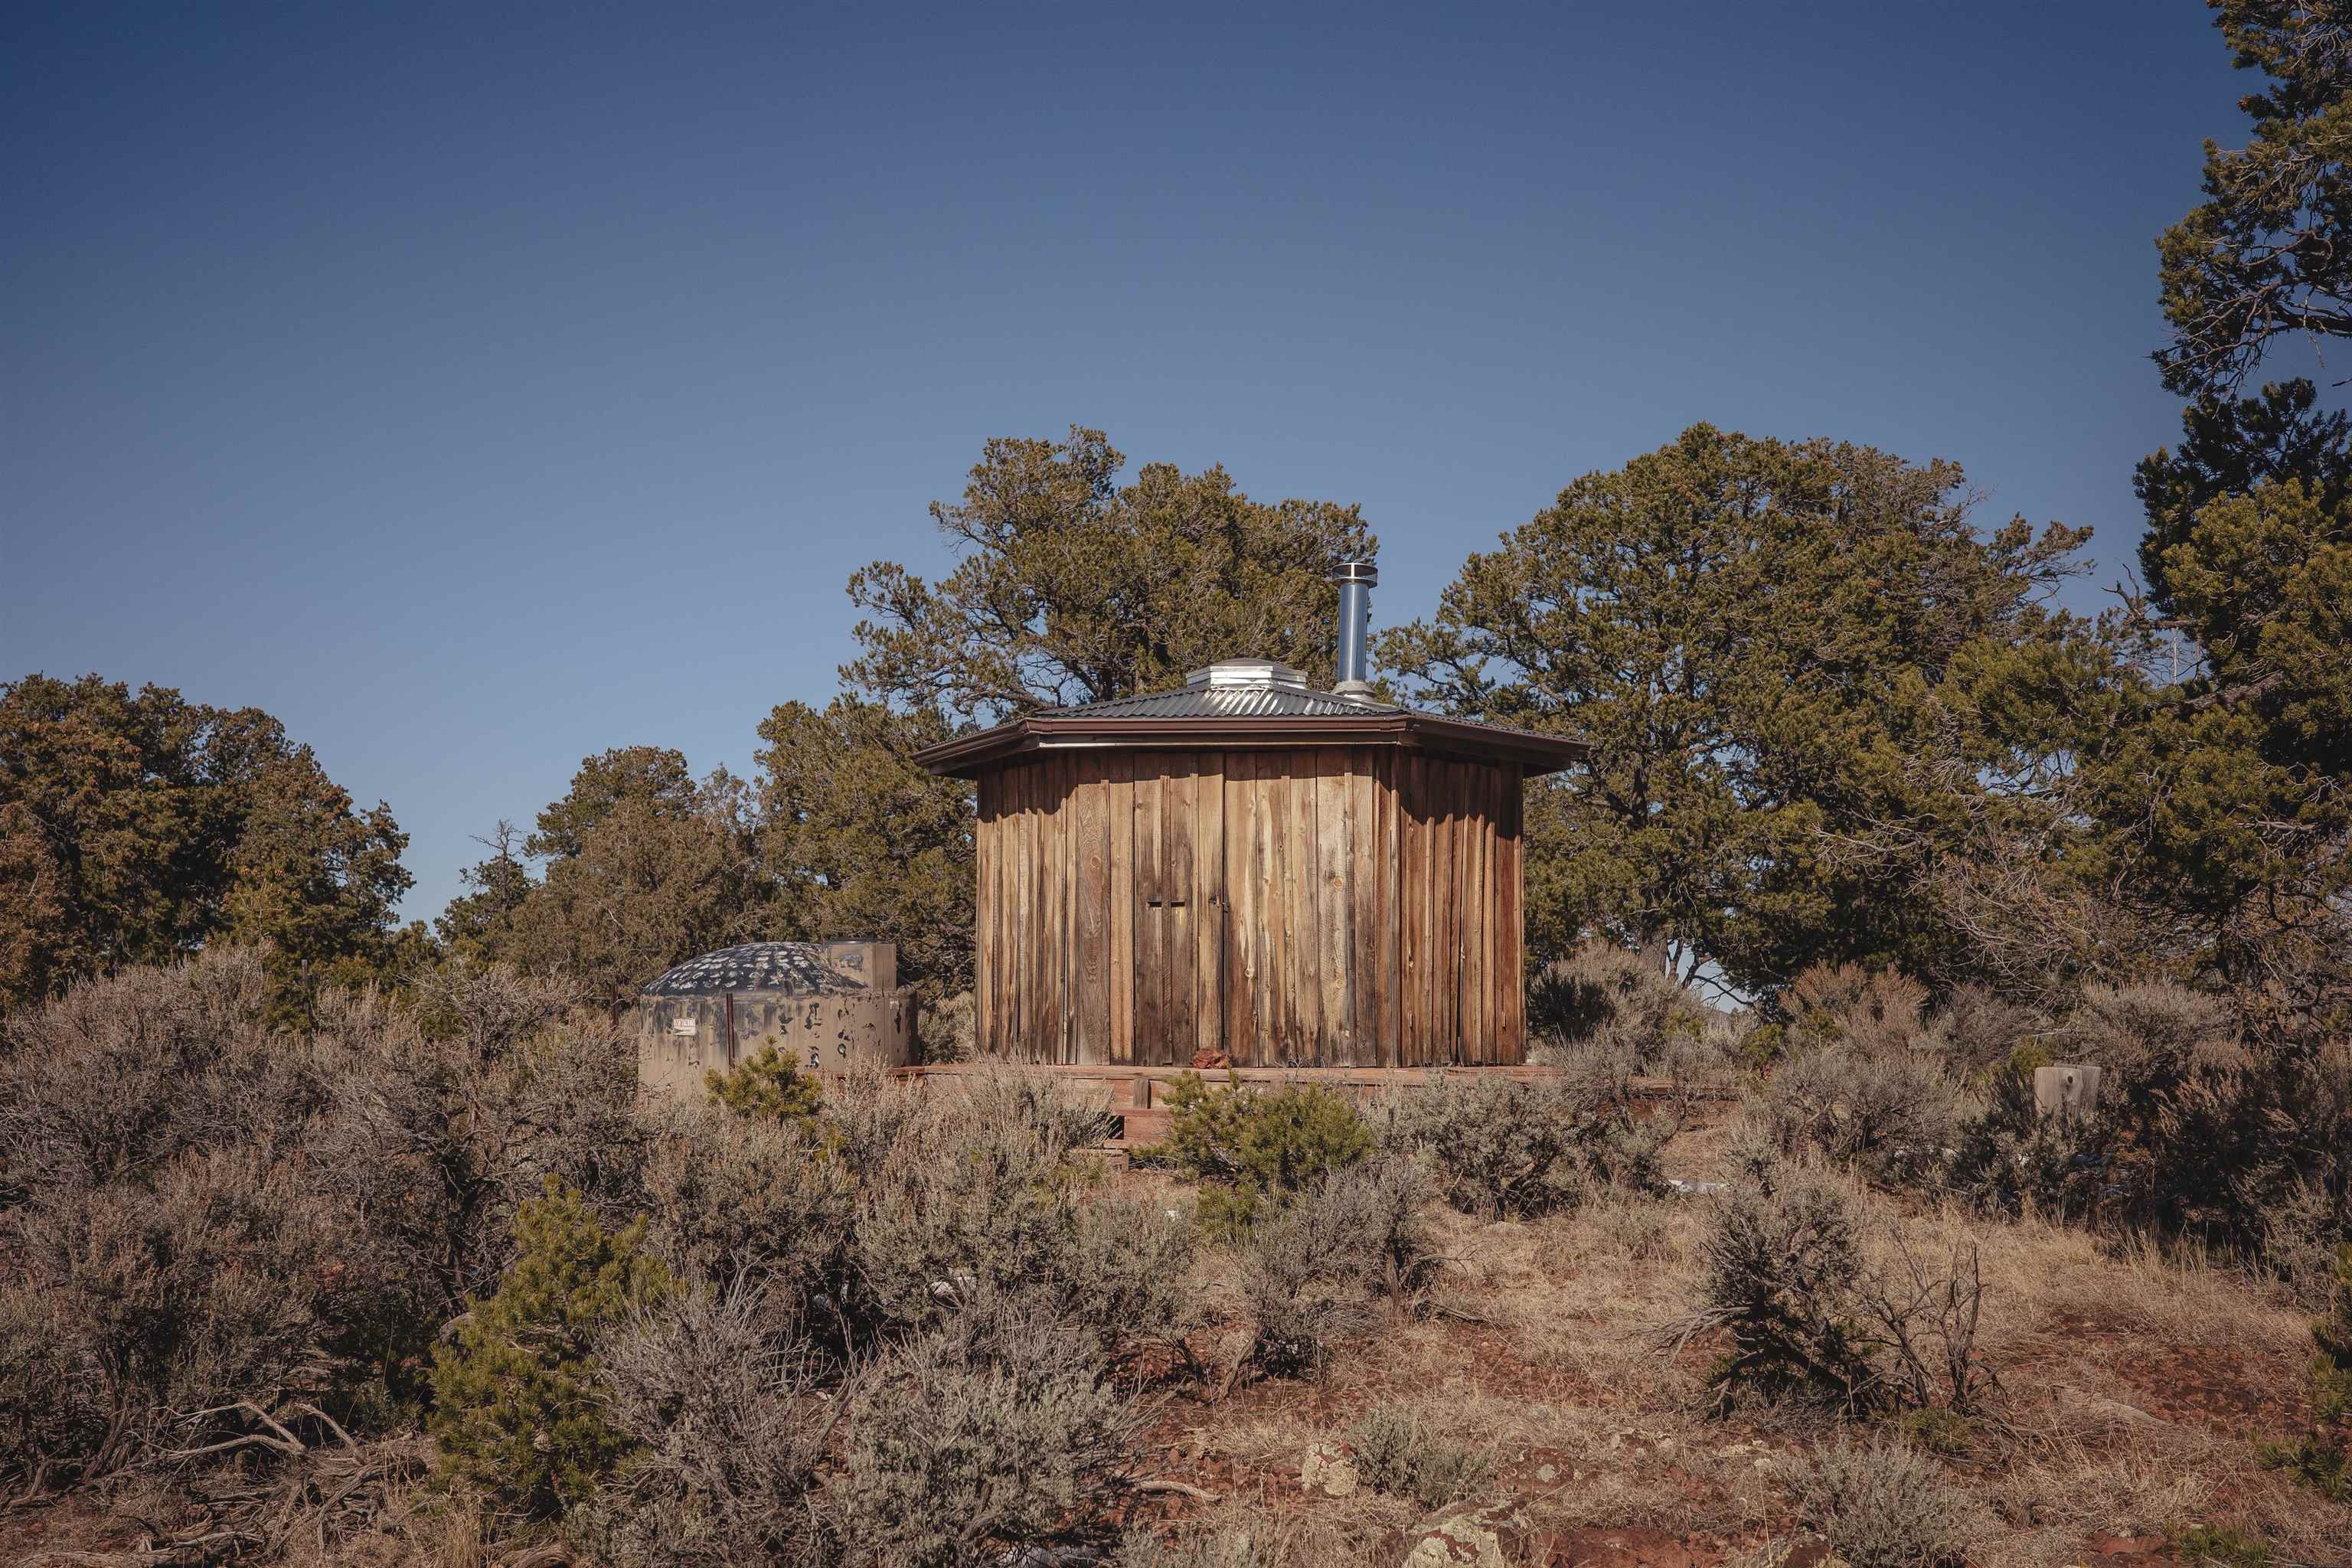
<point x="1251" y="871"/>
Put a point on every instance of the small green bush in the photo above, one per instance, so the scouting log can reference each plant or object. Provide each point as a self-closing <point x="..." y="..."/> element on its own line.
<point x="2222" y="1544"/>
<point x="976" y="1198"/>
<point x="172" y="1299"/>
<point x="1398" y="1452"/>
<point x="516" y="1411"/>
<point x="963" y="1198"/>
<point x="865" y="1112"/>
<point x="50" y="1419"/>
<point x="767" y="1087"/>
<point x="2331" y="1364"/>
<point x="1940" y="1431"/>
<point x="1980" y="1030"/>
<point x="947" y="1031"/>
<point x="1128" y="1276"/>
<point x="1603" y="994"/>
<point x="1877" y="1012"/>
<point x="1258" y="1150"/>
<point x="2321" y="1458"/>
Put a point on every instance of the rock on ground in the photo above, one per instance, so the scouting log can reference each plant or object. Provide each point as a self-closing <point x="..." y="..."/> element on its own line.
<point x="1485" y="1537"/>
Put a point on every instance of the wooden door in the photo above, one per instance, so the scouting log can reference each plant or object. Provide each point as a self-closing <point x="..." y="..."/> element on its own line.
<point x="1178" y="906"/>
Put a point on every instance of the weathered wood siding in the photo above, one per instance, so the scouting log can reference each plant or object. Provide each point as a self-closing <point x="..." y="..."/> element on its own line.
<point x="1331" y="907"/>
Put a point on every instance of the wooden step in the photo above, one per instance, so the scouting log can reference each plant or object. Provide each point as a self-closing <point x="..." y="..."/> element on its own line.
<point x="1142" y="1127"/>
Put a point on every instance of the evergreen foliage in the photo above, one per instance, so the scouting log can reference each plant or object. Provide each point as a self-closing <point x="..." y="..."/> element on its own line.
<point x="2322" y="1457"/>
<point x="136" y="827"/>
<point x="1257" y="1149"/>
<point x="516" y="1406"/>
<point x="866" y="844"/>
<point x="1074" y="588"/>
<point x="769" y="1088"/>
<point x="2264" y="256"/>
<point x="1761" y="639"/>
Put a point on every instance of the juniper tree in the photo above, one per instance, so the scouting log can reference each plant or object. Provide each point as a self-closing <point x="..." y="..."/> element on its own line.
<point x="136" y="827"/>
<point x="1767" y="643"/>
<point x="1073" y="588"/>
<point x="2265" y="254"/>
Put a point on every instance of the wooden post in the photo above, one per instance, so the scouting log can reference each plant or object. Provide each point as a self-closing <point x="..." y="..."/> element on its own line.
<point x="2066" y="1091"/>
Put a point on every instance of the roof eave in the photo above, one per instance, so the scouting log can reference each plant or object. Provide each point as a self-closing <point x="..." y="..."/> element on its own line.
<point x="968" y="756"/>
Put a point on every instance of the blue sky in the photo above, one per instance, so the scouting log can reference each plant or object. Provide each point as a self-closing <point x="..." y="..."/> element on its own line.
<point x="476" y="387"/>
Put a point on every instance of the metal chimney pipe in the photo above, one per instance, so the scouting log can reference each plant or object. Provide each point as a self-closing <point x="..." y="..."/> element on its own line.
<point x="1356" y="579"/>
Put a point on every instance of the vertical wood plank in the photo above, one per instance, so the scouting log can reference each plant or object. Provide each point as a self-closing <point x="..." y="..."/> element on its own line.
<point x="1017" y="871"/>
<point x="1177" y="952"/>
<point x="1412" y="874"/>
<point x="1335" y="909"/>
<point x="1074" y="964"/>
<point x="1040" y="905"/>
<point x="1090" y="954"/>
<point x="1511" y="901"/>
<point x="1364" y="898"/>
<point x="1151" y="1044"/>
<point x="1055" y="918"/>
<point x="1265" y="876"/>
<point x="1304" y="958"/>
<point x="1119" y="769"/>
<point x="1473" y="936"/>
<point x="1502" y="974"/>
<point x="1236" y="964"/>
<point x="1281" y="962"/>
<point x="1209" y="904"/>
<point x="1463" y="828"/>
<point x="1474" y="913"/>
<point x="1041" y="925"/>
<point x="1446" y="936"/>
<point x="1265" y="931"/>
<point x="987" y="864"/>
<point x="1391" y="853"/>
<point x="1241" y="909"/>
<point x="1003" y="934"/>
<point x="1482" y="936"/>
<point x="1477" y="906"/>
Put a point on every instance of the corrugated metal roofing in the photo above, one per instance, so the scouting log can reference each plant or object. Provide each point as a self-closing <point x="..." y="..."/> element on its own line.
<point x="1247" y="703"/>
<point x="1269" y="701"/>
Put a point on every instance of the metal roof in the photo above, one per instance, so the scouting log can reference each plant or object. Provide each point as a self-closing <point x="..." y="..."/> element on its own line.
<point x="798" y="967"/>
<point x="1250" y="703"/>
<point x="1227" y="702"/>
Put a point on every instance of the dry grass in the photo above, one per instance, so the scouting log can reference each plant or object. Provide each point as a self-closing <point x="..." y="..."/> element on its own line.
<point x="2132" y="1383"/>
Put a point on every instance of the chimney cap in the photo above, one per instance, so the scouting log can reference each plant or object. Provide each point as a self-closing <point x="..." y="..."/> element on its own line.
<point x="1365" y="572"/>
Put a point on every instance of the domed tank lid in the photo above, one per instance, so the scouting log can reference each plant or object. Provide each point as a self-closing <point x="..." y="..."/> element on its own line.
<point x="790" y="966"/>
